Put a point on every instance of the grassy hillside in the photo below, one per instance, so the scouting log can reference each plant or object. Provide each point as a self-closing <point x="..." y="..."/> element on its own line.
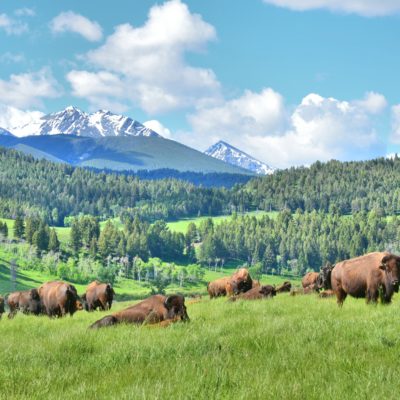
<point x="288" y="348"/>
<point x="120" y="153"/>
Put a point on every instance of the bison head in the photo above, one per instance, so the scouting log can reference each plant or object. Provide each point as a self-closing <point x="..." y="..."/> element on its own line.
<point x="390" y="264"/>
<point x="324" y="278"/>
<point x="268" y="291"/>
<point x="175" y="305"/>
<point x="241" y="281"/>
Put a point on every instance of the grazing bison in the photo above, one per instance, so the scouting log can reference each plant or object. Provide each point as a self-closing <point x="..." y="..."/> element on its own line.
<point x="285" y="287"/>
<point x="155" y="309"/>
<point x="27" y="301"/>
<point x="1" y="306"/>
<point x="59" y="298"/>
<point x="309" y="280"/>
<point x="218" y="287"/>
<point x="256" y="293"/>
<point x="98" y="295"/>
<point x="366" y="276"/>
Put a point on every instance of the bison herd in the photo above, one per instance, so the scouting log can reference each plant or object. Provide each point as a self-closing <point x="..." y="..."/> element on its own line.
<point x="372" y="276"/>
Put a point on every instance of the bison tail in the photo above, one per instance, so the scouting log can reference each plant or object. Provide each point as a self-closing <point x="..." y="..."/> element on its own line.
<point x="109" y="320"/>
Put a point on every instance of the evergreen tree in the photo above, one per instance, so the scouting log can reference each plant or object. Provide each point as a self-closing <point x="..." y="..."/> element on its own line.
<point x="19" y="227"/>
<point x="54" y="244"/>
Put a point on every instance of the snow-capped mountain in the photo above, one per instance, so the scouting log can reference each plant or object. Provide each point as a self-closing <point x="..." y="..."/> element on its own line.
<point x="5" y="132"/>
<point x="225" y="152"/>
<point x="76" y="122"/>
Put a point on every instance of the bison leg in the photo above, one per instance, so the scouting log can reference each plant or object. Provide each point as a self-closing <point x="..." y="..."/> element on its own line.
<point x="11" y="314"/>
<point x="372" y="296"/>
<point x="340" y="297"/>
<point x="109" y="320"/>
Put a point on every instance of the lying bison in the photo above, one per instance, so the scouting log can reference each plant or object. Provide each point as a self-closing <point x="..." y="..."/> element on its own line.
<point x="326" y="293"/>
<point x="27" y="301"/>
<point x="284" y="287"/>
<point x="155" y="309"/>
<point x="366" y="276"/>
<point x="59" y="298"/>
<point x="310" y="280"/>
<point x="256" y="293"/>
<point x="98" y="295"/>
<point x="1" y="306"/>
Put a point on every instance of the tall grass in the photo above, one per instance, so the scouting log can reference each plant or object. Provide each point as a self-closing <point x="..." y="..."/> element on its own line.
<point x="289" y="347"/>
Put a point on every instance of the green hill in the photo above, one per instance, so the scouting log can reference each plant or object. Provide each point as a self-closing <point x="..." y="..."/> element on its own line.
<point x="131" y="153"/>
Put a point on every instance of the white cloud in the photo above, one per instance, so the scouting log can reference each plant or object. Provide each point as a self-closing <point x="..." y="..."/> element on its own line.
<point x="395" y="136"/>
<point x="251" y="114"/>
<point x="318" y="128"/>
<point x="25" y="12"/>
<point x="11" y="117"/>
<point x="367" y="8"/>
<point x="158" y="127"/>
<point x="9" y="57"/>
<point x="29" y="89"/>
<point x="150" y="60"/>
<point x="71" y="22"/>
<point x="12" y="26"/>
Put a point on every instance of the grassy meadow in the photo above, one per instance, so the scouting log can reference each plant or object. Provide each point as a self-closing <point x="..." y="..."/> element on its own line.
<point x="298" y="347"/>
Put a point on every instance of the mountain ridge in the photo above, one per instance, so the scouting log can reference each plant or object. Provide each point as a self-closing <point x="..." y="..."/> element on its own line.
<point x="232" y="155"/>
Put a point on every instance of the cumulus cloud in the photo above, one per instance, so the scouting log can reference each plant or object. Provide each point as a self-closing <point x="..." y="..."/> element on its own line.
<point x="11" y="117"/>
<point x="25" y="12"/>
<point x="9" y="58"/>
<point x="367" y="8"/>
<point x="395" y="136"/>
<point x="158" y="127"/>
<point x="29" y="89"/>
<point x="150" y="60"/>
<point x="12" y="26"/>
<point x="318" y="128"/>
<point x="69" y="21"/>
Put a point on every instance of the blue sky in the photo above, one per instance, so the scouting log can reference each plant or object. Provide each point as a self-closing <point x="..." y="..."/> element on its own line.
<point x="289" y="81"/>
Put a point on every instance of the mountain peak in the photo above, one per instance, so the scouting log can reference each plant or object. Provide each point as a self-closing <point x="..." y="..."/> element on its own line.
<point x="73" y="121"/>
<point x="232" y="155"/>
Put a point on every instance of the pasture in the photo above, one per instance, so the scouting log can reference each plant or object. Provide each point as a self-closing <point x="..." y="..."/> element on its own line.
<point x="298" y="347"/>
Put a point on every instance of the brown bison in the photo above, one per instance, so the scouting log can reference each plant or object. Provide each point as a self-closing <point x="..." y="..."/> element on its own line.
<point x="98" y="295"/>
<point x="324" y="278"/>
<point x="239" y="282"/>
<point x="256" y="293"/>
<point x="366" y="276"/>
<point x="27" y="301"/>
<point x="218" y="287"/>
<point x="155" y="309"/>
<point x="59" y="298"/>
<point x="1" y="306"/>
<point x="310" y="280"/>
<point x="284" y="287"/>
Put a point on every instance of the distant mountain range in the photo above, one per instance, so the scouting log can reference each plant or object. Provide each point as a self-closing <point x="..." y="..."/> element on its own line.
<point x="225" y="152"/>
<point x="76" y="122"/>
<point x="106" y="140"/>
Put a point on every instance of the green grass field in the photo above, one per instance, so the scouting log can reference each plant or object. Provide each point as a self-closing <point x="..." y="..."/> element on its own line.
<point x="297" y="347"/>
<point x="182" y="225"/>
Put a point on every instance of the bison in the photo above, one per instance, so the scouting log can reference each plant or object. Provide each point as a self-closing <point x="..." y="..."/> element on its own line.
<point x="27" y="301"/>
<point x="217" y="288"/>
<point x="59" y="298"/>
<point x="155" y="309"/>
<point x="98" y="295"/>
<point x="284" y="287"/>
<point x="241" y="281"/>
<point x="1" y="306"/>
<point x="366" y="277"/>
<point x="309" y="281"/>
<point x="256" y="293"/>
<point x="324" y="278"/>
